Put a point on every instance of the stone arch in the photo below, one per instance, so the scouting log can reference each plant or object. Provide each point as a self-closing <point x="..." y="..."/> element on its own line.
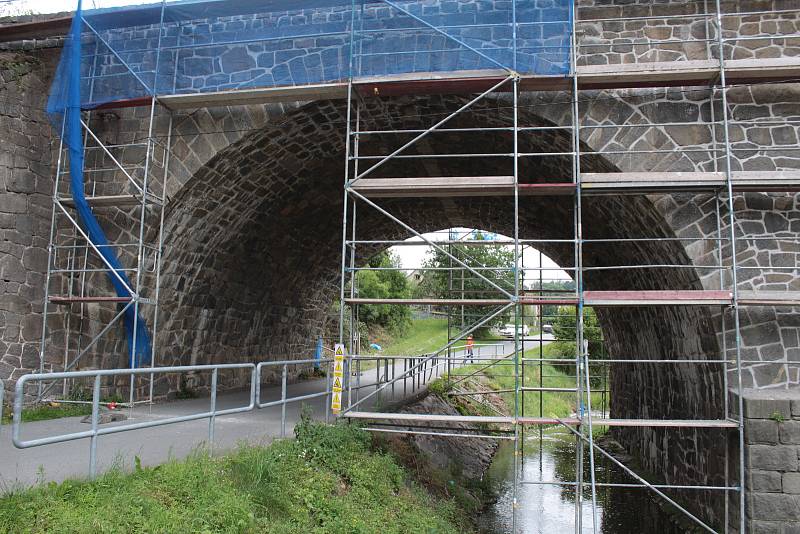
<point x="253" y="251"/>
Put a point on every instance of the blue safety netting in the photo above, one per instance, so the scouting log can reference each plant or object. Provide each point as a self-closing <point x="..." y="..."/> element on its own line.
<point x="185" y="46"/>
<point x="64" y="109"/>
<point x="127" y="54"/>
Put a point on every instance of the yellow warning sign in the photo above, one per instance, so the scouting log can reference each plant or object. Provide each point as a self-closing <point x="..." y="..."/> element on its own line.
<point x="338" y="372"/>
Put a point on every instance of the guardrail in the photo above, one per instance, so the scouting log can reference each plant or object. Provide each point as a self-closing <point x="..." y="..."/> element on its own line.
<point x="416" y="369"/>
<point x="284" y="400"/>
<point x="96" y="431"/>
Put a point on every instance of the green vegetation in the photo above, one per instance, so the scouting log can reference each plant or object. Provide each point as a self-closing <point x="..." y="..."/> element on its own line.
<point x="501" y="377"/>
<point x="390" y="283"/>
<point x="777" y="417"/>
<point x="330" y="479"/>
<point x="449" y="284"/>
<point x="424" y="337"/>
<point x="46" y="411"/>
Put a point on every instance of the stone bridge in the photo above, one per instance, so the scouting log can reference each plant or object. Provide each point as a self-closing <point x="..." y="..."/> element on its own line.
<point x="253" y="226"/>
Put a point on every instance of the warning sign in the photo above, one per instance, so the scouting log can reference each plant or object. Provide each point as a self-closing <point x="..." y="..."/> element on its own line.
<point x="338" y="374"/>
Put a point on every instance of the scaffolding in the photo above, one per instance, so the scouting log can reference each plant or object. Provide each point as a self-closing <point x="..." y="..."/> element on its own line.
<point x="160" y="85"/>
<point x="363" y="189"/>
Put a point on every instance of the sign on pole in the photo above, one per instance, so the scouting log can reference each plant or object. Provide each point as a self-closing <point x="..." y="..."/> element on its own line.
<point x="338" y="378"/>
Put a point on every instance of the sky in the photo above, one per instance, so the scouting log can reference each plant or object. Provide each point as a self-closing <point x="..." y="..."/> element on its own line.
<point x="17" y="7"/>
<point x="412" y="257"/>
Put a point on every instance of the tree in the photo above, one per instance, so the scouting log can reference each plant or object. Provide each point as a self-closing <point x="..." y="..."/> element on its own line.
<point x="565" y="329"/>
<point x="441" y="281"/>
<point x="388" y="283"/>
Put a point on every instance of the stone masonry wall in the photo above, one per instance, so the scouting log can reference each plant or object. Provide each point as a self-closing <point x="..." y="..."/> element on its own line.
<point x="772" y="460"/>
<point x="25" y="205"/>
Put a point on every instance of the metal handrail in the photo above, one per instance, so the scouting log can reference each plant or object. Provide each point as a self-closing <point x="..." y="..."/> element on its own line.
<point x="284" y="400"/>
<point x="210" y="414"/>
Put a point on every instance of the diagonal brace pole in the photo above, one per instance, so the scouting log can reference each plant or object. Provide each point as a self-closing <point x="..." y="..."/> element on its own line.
<point x="429" y="358"/>
<point x="431" y="243"/>
<point x="77" y="358"/>
<point x="637" y="477"/>
<point x="110" y="155"/>
<point x="437" y="125"/>
<point x="125" y="63"/>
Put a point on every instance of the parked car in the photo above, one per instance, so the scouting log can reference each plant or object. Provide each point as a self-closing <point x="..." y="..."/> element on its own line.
<point x="547" y="329"/>
<point x="508" y="330"/>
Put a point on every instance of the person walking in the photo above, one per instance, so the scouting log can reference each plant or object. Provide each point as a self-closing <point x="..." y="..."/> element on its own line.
<point x="470" y="347"/>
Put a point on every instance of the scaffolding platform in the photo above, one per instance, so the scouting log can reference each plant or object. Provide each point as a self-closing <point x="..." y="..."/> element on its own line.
<point x="591" y="183"/>
<point x="112" y="201"/>
<point x="55" y="299"/>
<point x="627" y="76"/>
<point x="535" y="421"/>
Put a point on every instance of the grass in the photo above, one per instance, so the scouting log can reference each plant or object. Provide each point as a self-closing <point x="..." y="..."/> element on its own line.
<point x="330" y="479"/>
<point x="424" y="336"/>
<point x="44" y="412"/>
<point x="553" y="404"/>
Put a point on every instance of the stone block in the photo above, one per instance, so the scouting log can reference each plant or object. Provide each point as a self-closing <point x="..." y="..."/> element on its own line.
<point x="766" y="408"/>
<point x="772" y="457"/>
<point x="766" y="527"/>
<point x="774" y="507"/>
<point x="765" y="481"/>
<point x="791" y="483"/>
<point x="789" y="432"/>
<point x="763" y="431"/>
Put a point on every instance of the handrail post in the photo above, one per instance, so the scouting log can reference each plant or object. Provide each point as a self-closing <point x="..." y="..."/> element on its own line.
<point x="213" y="411"/>
<point x="284" y="372"/>
<point x="95" y="423"/>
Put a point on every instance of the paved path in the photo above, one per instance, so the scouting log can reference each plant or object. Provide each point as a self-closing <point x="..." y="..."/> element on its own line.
<point x="156" y="445"/>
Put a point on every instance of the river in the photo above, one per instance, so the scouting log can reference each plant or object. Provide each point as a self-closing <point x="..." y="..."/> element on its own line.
<point x="550" y="509"/>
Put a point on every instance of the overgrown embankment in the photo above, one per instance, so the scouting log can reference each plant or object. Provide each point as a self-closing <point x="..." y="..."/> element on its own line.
<point x="330" y="479"/>
<point x="452" y="467"/>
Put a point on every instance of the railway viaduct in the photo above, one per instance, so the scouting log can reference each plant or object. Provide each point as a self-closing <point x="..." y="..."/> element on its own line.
<point x="253" y="226"/>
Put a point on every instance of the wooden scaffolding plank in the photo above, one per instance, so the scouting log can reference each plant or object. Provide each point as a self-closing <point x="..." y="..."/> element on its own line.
<point x="446" y="186"/>
<point x="533" y="421"/>
<point x="84" y="300"/>
<point x="592" y="184"/>
<point x="657" y="298"/>
<point x="689" y="297"/>
<point x="769" y="298"/>
<point x="631" y="75"/>
<point x="431" y="302"/>
<point x="262" y="95"/>
<point x="658" y="182"/>
<point x="110" y="201"/>
<point x="687" y="73"/>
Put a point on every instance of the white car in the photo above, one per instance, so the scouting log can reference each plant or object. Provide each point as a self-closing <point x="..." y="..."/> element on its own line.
<point x="508" y="330"/>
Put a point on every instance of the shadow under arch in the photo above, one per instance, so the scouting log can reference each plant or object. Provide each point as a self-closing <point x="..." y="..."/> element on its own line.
<point x="253" y="252"/>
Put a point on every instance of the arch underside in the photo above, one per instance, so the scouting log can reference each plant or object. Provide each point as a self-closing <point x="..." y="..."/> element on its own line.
<point x="253" y="253"/>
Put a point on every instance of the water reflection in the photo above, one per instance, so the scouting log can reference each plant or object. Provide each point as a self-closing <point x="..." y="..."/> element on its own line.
<point x="550" y="509"/>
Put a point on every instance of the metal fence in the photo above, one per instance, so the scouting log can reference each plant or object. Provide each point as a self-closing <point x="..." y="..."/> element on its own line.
<point x="416" y="373"/>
